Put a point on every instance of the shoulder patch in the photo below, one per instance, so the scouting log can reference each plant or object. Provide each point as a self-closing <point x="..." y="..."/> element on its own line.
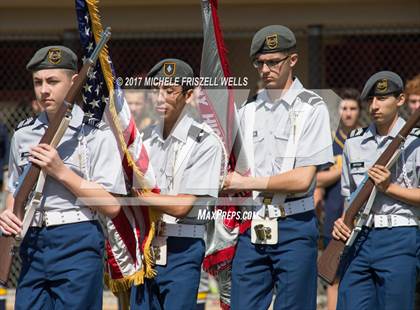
<point x="97" y="124"/>
<point x="357" y="132"/>
<point x="197" y="133"/>
<point x="25" y="123"/>
<point x="315" y="100"/>
<point x="102" y="125"/>
<point x="415" y="132"/>
<point x="310" y="97"/>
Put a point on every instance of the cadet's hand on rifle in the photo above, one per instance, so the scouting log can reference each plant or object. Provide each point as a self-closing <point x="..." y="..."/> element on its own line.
<point x="381" y="176"/>
<point x="9" y="223"/>
<point x="47" y="158"/>
<point x="340" y="230"/>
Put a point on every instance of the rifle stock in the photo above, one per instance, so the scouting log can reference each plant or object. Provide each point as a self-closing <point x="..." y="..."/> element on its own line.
<point x="330" y="259"/>
<point x="21" y="196"/>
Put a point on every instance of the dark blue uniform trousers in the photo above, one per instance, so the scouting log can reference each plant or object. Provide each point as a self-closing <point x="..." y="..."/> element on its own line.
<point x="289" y="267"/>
<point x="61" y="267"/>
<point x="381" y="270"/>
<point x="176" y="284"/>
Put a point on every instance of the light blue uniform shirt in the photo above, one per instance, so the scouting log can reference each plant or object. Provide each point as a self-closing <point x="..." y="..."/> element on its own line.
<point x="197" y="173"/>
<point x="104" y="161"/>
<point x="272" y="127"/>
<point x="363" y="148"/>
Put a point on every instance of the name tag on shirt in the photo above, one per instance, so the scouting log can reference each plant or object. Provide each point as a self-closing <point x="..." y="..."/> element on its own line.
<point x="359" y="164"/>
<point x="24" y="155"/>
<point x="23" y="160"/>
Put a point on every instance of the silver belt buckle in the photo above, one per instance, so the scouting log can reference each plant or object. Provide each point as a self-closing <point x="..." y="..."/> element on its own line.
<point x="44" y="218"/>
<point x="282" y="212"/>
<point x="389" y="221"/>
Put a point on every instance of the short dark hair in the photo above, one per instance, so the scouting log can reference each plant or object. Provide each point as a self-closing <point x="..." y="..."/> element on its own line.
<point x="70" y="72"/>
<point x="292" y="50"/>
<point x="186" y="88"/>
<point x="351" y="94"/>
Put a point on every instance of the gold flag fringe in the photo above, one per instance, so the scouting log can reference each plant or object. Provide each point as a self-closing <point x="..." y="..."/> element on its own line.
<point x="121" y="285"/>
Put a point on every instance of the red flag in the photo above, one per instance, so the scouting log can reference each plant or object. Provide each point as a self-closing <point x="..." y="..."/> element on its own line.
<point x="217" y="108"/>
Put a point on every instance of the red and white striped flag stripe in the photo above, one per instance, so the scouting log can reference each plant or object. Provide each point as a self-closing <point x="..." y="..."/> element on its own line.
<point x="130" y="233"/>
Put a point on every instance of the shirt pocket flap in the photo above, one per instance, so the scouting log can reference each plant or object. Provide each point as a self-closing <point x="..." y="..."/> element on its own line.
<point x="280" y="134"/>
<point x="257" y="135"/>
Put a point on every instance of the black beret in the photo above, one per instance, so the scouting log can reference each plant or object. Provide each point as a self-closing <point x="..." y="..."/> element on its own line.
<point x="53" y="57"/>
<point x="382" y="83"/>
<point x="271" y="39"/>
<point x="171" y="69"/>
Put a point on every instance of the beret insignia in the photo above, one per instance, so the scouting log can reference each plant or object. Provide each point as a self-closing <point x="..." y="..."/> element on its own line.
<point x="169" y="68"/>
<point x="382" y="86"/>
<point x="54" y="56"/>
<point x="272" y="41"/>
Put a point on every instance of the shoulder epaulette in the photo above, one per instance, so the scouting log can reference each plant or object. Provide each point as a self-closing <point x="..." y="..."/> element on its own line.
<point x="415" y="132"/>
<point x="357" y="132"/>
<point x="98" y="125"/>
<point x="197" y="133"/>
<point x="146" y="133"/>
<point x="310" y="97"/>
<point x="25" y="123"/>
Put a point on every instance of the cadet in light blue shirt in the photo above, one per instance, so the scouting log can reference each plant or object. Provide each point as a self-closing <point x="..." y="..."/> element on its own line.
<point x="380" y="272"/>
<point x="186" y="156"/>
<point x="287" y="139"/>
<point x="102" y="166"/>
<point x="62" y="251"/>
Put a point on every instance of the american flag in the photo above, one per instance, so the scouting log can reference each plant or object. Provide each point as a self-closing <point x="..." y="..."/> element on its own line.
<point x="95" y="94"/>
<point x="130" y="233"/>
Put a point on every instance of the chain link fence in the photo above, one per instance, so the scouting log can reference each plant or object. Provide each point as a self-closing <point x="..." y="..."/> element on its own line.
<point x="345" y="58"/>
<point x="333" y="58"/>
